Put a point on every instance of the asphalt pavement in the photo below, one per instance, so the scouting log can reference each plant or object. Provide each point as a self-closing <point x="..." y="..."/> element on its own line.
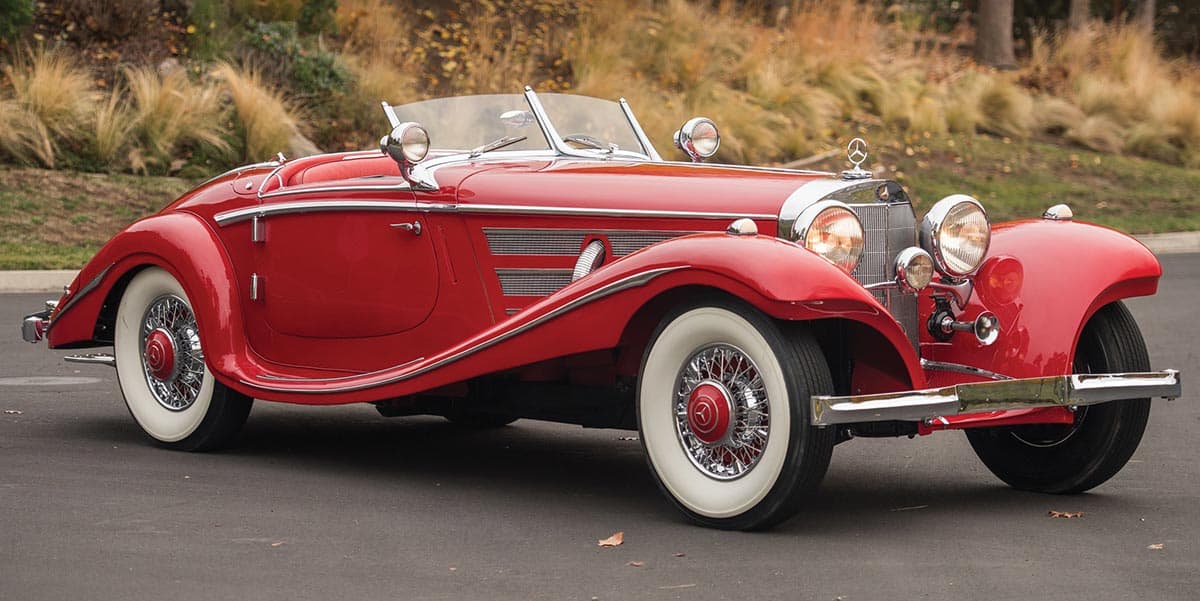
<point x="339" y="503"/>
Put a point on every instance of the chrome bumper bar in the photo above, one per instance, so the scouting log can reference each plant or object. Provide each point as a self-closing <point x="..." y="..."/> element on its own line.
<point x="34" y="326"/>
<point x="978" y="397"/>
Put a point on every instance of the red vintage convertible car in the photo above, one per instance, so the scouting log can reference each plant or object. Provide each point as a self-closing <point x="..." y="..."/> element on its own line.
<point x="526" y="256"/>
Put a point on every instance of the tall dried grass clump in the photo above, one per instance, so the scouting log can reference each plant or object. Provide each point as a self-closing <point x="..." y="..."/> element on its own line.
<point x="1129" y="98"/>
<point x="113" y="124"/>
<point x="173" y="112"/>
<point x="51" y="101"/>
<point x="265" y="121"/>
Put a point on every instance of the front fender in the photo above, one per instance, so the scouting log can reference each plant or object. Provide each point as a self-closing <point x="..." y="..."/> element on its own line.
<point x="1044" y="280"/>
<point x="786" y="281"/>
<point x="178" y="242"/>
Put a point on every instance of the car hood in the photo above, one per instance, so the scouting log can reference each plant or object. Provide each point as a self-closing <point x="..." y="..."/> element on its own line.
<point x="629" y="186"/>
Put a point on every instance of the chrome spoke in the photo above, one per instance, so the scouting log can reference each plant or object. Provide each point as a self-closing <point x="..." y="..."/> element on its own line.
<point x="738" y="450"/>
<point x="176" y="384"/>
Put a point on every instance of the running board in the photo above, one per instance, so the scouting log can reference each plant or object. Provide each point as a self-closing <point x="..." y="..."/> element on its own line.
<point x="94" y="358"/>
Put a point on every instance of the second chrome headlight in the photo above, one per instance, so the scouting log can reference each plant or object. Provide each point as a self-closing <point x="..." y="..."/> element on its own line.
<point x="833" y="231"/>
<point x="956" y="232"/>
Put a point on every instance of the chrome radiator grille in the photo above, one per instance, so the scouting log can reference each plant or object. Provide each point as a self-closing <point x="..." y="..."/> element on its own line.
<point x="887" y="230"/>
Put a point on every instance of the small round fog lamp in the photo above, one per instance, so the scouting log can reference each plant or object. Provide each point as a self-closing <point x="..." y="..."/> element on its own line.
<point x="914" y="269"/>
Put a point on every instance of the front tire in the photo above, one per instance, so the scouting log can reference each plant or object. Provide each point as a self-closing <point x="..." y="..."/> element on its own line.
<point x="167" y="386"/>
<point x="723" y="413"/>
<point x="1073" y="458"/>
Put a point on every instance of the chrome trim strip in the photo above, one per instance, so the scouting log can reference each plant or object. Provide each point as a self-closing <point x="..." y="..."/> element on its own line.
<point x="236" y="215"/>
<point x="87" y="288"/>
<point x="631" y="281"/>
<point x="959" y="368"/>
<point x="311" y="206"/>
<point x="1026" y="393"/>
<point x="594" y="212"/>
<point x="238" y="171"/>
<point x="93" y="358"/>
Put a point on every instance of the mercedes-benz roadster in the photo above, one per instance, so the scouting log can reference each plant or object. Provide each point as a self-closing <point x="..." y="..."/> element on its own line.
<point x="533" y="256"/>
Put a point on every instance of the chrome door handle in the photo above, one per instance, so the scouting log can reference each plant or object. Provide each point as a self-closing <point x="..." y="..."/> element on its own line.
<point x="414" y="227"/>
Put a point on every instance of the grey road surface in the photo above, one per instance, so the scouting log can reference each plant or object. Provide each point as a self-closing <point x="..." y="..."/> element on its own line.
<point x="339" y="503"/>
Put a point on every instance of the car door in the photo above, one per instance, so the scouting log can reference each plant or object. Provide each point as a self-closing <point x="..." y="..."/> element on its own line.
<point x="345" y="264"/>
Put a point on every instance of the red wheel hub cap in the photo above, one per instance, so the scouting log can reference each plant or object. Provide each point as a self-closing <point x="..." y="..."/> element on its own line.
<point x="709" y="412"/>
<point x="160" y="354"/>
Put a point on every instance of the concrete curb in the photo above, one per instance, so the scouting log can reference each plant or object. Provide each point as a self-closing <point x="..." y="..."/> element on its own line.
<point x="53" y="281"/>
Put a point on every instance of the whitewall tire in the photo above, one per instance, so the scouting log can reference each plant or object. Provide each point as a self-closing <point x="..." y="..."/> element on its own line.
<point x="166" y="383"/>
<point x="723" y="414"/>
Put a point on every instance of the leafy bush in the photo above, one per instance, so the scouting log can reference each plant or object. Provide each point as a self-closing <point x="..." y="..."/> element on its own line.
<point x="15" y="16"/>
<point x="109" y="19"/>
<point x="316" y="16"/>
<point x="315" y="73"/>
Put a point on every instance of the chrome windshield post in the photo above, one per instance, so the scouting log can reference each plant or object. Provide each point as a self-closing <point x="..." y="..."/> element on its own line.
<point x="643" y="139"/>
<point x="543" y="119"/>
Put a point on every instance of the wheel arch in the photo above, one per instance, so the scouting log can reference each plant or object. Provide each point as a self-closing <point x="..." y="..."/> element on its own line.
<point x="183" y="245"/>
<point x="862" y="358"/>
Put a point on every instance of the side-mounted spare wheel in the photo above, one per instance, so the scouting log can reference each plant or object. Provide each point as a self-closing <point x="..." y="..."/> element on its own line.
<point x="1075" y="457"/>
<point x="723" y="414"/>
<point x="167" y="386"/>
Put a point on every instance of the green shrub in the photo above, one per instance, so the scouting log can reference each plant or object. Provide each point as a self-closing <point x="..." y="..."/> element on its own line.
<point x="315" y="73"/>
<point x="15" y="16"/>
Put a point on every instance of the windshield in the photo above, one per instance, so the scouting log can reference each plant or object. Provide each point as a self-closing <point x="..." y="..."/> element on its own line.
<point x="468" y="122"/>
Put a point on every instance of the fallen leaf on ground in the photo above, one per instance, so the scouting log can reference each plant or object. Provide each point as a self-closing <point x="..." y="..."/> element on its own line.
<point x="612" y="541"/>
<point x="1156" y="546"/>
<point x="636" y="564"/>
<point x="12" y="412"/>
<point x="277" y="543"/>
<point x="1065" y="514"/>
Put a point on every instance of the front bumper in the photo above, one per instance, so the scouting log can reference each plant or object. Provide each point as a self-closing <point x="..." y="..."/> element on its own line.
<point x="1005" y="395"/>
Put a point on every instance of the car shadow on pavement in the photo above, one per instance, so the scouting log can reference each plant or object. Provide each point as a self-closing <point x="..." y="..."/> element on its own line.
<point x="600" y="471"/>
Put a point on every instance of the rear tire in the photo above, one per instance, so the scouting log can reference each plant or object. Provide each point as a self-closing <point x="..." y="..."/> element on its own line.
<point x="723" y="414"/>
<point x="166" y="383"/>
<point x="1065" y="459"/>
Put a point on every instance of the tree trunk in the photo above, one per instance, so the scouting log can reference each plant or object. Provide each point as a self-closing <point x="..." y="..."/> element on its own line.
<point x="1145" y="16"/>
<point x="994" y="34"/>
<point x="1078" y="17"/>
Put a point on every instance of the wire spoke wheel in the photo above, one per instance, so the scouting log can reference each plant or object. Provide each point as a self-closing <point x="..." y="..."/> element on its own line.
<point x="172" y="359"/>
<point x="721" y="411"/>
<point x="161" y="368"/>
<point x="723" y="414"/>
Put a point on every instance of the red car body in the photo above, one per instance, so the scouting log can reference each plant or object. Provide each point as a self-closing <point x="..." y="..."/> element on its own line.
<point x="335" y="279"/>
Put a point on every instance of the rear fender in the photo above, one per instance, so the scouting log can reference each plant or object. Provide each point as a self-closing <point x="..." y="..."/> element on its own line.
<point x="1044" y="280"/>
<point x="184" y="246"/>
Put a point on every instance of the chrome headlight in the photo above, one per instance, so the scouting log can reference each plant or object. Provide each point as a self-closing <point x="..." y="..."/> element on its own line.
<point x="956" y="233"/>
<point x="833" y="231"/>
